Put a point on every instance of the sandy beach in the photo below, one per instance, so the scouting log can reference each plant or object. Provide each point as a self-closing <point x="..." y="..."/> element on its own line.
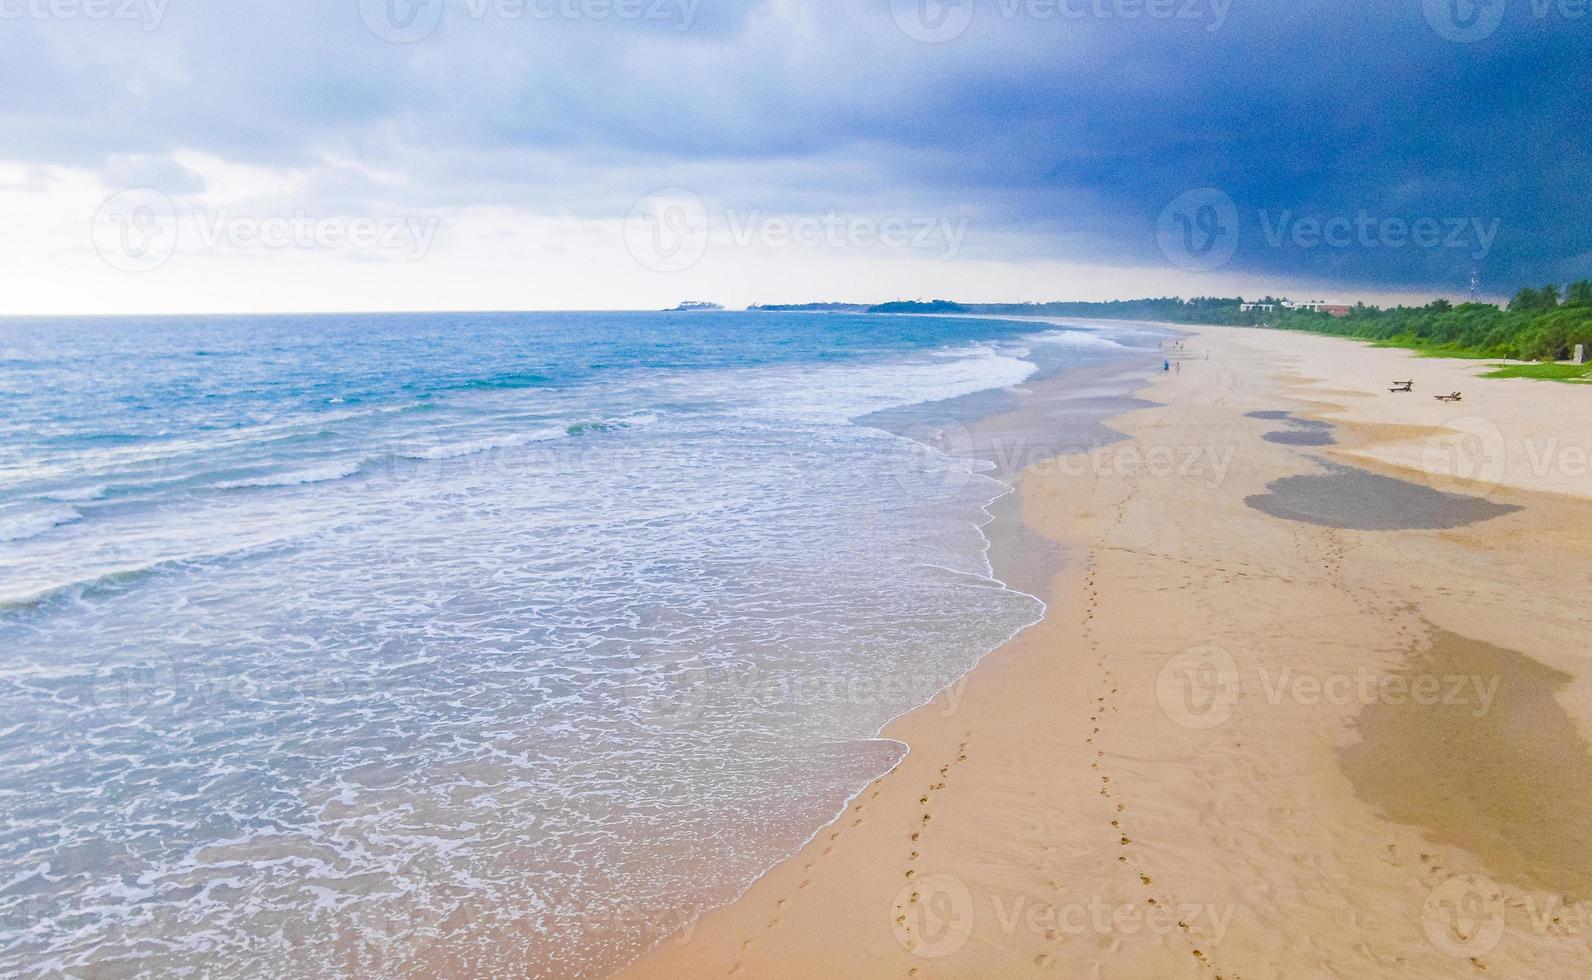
<point x="1311" y="698"/>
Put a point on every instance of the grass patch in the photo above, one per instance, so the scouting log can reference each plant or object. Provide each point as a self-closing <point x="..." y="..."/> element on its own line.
<point x="1573" y="373"/>
<point x="1426" y="348"/>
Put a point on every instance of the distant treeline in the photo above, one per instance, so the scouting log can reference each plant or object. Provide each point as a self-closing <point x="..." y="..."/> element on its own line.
<point x="1198" y="310"/>
<point x="1540" y="324"/>
<point x="810" y="307"/>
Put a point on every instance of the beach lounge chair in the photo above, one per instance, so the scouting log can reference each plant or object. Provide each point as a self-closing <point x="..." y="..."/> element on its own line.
<point x="1456" y="396"/>
<point x="1403" y="386"/>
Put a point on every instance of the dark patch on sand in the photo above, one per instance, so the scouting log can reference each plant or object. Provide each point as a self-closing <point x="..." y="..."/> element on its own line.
<point x="1026" y="561"/>
<point x="1357" y="500"/>
<point x="1506" y="777"/>
<point x="1290" y="418"/>
<point x="1300" y="438"/>
<point x="1300" y="432"/>
<point x="1036" y="422"/>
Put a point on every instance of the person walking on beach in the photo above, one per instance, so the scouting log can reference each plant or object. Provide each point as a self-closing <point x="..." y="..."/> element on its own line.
<point x="1166" y="365"/>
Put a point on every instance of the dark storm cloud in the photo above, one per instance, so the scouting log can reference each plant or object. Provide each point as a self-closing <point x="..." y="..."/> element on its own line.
<point x="1334" y="137"/>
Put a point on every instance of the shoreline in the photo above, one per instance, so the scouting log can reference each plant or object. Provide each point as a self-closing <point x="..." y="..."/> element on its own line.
<point x="977" y="446"/>
<point x="983" y="442"/>
<point x="835" y="905"/>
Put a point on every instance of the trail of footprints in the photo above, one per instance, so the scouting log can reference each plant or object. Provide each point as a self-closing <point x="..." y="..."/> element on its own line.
<point x="854" y="818"/>
<point x="921" y="825"/>
<point x="1102" y="706"/>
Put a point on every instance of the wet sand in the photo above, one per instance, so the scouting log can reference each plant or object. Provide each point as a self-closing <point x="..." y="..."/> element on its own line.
<point x="1489" y="761"/>
<point x="1221" y="753"/>
<point x="1295" y="437"/>
<point x="1355" y="499"/>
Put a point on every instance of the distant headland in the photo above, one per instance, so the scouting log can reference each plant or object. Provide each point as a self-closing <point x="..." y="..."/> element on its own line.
<point x="1546" y="323"/>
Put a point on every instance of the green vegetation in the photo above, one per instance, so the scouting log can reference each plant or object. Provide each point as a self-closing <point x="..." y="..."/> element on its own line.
<point x="919" y="306"/>
<point x="1577" y="373"/>
<point x="809" y="307"/>
<point x="1199" y="310"/>
<point x="1540" y="324"/>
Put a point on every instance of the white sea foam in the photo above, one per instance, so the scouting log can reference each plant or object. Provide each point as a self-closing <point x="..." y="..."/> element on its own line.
<point x="837" y="392"/>
<point x="470" y="447"/>
<point x="1078" y="338"/>
<point x="464" y="701"/>
<point x="293" y="478"/>
<point x="79" y="495"/>
<point x="26" y="522"/>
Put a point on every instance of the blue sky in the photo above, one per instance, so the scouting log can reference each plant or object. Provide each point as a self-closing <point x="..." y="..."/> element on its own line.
<point x="350" y="154"/>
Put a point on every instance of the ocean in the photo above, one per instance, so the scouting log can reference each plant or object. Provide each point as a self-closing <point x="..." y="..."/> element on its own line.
<point x="336" y="645"/>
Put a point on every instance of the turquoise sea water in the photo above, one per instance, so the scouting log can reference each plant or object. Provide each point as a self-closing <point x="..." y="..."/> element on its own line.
<point x="330" y="645"/>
